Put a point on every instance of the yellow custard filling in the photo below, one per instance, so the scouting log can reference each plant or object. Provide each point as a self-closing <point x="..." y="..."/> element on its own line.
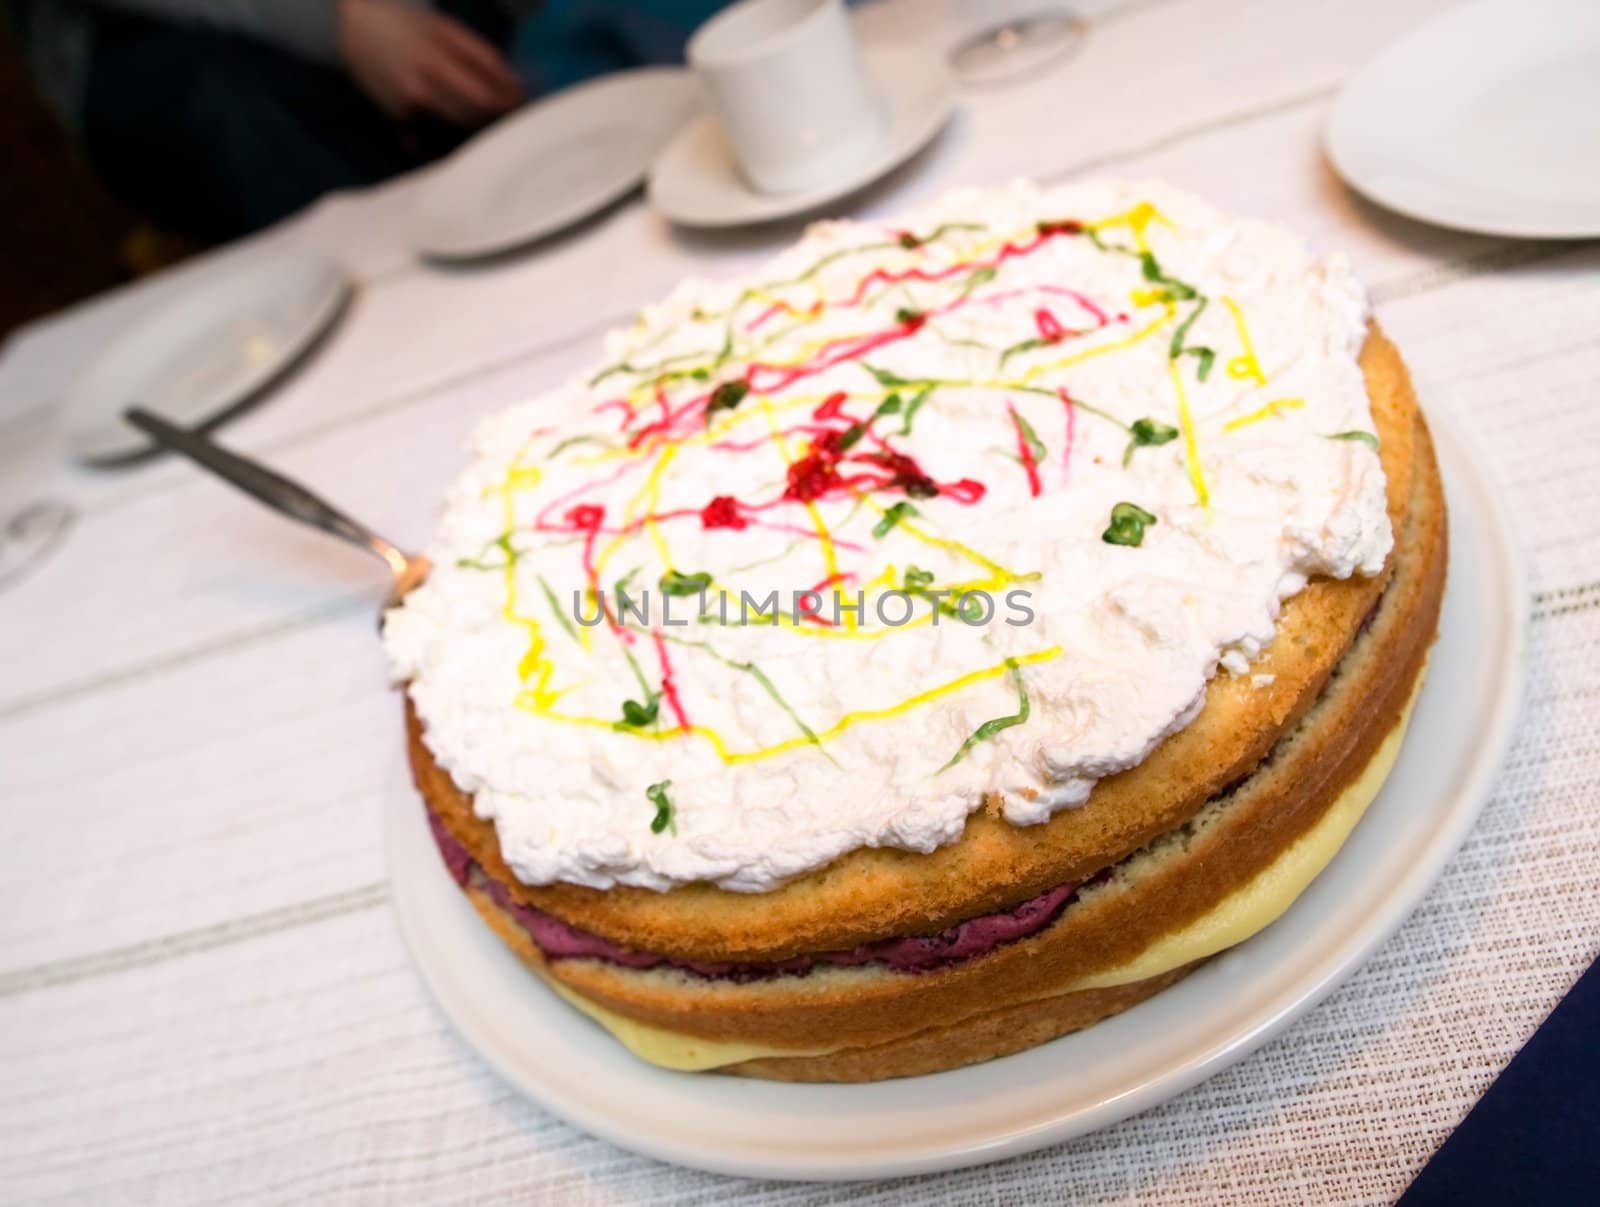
<point x="1253" y="906"/>
<point x="1248" y="909"/>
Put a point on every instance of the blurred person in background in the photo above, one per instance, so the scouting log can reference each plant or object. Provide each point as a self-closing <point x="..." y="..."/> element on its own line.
<point x="213" y="118"/>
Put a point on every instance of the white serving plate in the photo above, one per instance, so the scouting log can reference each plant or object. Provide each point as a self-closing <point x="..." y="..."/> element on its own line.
<point x="1238" y="1001"/>
<point x="1486" y="119"/>
<point x="551" y="164"/>
<point x="198" y="356"/>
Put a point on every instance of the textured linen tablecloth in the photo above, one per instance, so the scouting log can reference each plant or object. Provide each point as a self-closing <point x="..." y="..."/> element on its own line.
<point x="203" y="996"/>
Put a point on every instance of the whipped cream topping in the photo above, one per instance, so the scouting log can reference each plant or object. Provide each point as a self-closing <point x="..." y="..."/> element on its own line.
<point x="984" y="396"/>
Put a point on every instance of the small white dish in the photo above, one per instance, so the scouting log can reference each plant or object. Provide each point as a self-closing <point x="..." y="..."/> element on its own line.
<point x="551" y="164"/>
<point x="1232" y="1005"/>
<point x="198" y="357"/>
<point x="1486" y="119"/>
<point x="696" y="180"/>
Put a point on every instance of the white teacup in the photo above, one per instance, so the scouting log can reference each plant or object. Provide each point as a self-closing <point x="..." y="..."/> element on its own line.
<point x="786" y="80"/>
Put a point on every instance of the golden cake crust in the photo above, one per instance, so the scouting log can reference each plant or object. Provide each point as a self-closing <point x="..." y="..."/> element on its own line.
<point x="870" y="894"/>
<point x="982" y="1037"/>
<point x="873" y="1009"/>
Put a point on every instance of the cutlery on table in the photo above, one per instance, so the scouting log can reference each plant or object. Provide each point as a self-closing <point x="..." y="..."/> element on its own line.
<point x="282" y="495"/>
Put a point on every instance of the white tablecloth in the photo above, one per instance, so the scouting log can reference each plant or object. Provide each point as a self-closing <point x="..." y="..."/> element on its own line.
<point x="202" y="992"/>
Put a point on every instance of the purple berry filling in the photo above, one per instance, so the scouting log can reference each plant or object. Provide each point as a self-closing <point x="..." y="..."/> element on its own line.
<point x="964" y="941"/>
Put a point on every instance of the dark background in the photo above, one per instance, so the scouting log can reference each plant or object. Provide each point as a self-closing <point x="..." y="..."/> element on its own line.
<point x="62" y="238"/>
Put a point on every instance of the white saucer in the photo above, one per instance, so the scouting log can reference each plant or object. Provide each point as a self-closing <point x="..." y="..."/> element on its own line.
<point x="1486" y="119"/>
<point x="551" y="164"/>
<point x="197" y="357"/>
<point x="1231" y="1006"/>
<point x="695" y="181"/>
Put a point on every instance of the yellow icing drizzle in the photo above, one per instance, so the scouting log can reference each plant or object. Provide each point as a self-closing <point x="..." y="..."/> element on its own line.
<point x="1244" y="366"/>
<point x="1191" y="449"/>
<point x="732" y="757"/>
<point x="1276" y="406"/>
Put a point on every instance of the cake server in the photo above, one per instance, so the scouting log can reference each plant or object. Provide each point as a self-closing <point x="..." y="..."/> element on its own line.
<point x="282" y="495"/>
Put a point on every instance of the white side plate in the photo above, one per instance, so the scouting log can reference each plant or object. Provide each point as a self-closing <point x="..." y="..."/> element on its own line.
<point x="551" y="164"/>
<point x="1486" y="119"/>
<point x="1219" y="1014"/>
<point x="196" y="358"/>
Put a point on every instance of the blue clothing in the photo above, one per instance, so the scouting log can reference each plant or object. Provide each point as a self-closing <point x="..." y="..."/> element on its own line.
<point x="57" y="36"/>
<point x="214" y="118"/>
<point x="1535" y="1136"/>
<point x="213" y="133"/>
<point x="566" y="41"/>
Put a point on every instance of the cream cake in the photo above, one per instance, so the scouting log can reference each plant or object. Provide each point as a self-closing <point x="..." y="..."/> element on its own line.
<point x="936" y="641"/>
